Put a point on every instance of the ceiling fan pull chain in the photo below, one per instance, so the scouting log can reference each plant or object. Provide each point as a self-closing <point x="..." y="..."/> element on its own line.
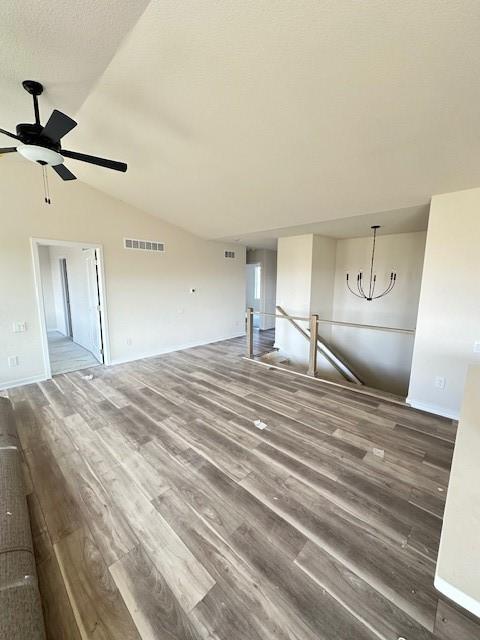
<point x="43" y="181"/>
<point x="48" y="186"/>
<point x="46" y="189"/>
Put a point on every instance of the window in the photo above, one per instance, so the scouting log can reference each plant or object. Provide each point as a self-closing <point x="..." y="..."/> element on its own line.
<point x="257" y="284"/>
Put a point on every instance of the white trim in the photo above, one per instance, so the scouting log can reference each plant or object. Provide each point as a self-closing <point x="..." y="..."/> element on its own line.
<point x="179" y="347"/>
<point x="37" y="278"/>
<point x="433" y="408"/>
<point x="37" y="242"/>
<point x="458" y="596"/>
<point x="103" y="306"/>
<point x="19" y="382"/>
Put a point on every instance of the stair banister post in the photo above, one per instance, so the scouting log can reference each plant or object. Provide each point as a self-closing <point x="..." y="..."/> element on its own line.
<point x="312" y="360"/>
<point x="250" y="332"/>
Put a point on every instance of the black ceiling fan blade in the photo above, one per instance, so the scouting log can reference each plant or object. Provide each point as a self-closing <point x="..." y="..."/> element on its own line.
<point x="101" y="162"/>
<point x="58" y="125"/>
<point x="7" y="150"/>
<point x="10" y="135"/>
<point x="63" y="172"/>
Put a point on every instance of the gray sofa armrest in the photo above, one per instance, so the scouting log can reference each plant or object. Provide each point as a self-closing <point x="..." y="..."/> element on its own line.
<point x="20" y="606"/>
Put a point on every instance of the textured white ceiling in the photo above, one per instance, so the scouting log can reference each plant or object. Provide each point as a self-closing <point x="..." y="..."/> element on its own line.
<point x="405" y="220"/>
<point x="240" y="117"/>
<point x="65" y="44"/>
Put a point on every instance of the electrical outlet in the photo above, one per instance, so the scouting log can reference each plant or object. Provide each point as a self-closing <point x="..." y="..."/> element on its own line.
<point x="19" y="327"/>
<point x="13" y="361"/>
<point x="476" y="346"/>
<point x="440" y="382"/>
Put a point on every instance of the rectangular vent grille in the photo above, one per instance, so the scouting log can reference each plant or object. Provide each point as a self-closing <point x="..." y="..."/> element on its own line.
<point x="229" y="254"/>
<point x="143" y="245"/>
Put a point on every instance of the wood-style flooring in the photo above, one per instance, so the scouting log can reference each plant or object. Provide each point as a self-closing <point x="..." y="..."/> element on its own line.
<point x="66" y="355"/>
<point x="161" y="512"/>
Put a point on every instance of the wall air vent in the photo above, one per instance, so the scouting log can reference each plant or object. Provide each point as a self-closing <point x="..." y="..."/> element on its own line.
<point x="144" y="245"/>
<point x="230" y="254"/>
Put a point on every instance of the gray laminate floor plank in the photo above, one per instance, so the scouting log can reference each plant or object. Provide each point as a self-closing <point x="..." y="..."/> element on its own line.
<point x="324" y="525"/>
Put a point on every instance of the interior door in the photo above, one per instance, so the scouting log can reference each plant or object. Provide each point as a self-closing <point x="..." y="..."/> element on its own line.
<point x="93" y="305"/>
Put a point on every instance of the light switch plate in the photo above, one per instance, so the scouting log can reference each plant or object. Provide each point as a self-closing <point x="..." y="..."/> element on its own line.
<point x="476" y="346"/>
<point x="13" y="361"/>
<point x="19" y="327"/>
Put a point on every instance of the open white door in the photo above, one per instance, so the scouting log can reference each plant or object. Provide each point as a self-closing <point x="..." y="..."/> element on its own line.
<point x="94" y="334"/>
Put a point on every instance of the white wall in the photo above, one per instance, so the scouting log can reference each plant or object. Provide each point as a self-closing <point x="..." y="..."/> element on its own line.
<point x="381" y="359"/>
<point x="305" y="268"/>
<point x="456" y="574"/>
<point x="268" y="288"/>
<point x="77" y="281"/>
<point x="323" y="281"/>
<point x="58" y="295"/>
<point x="311" y="279"/>
<point x="294" y="284"/>
<point x="48" y="292"/>
<point x="148" y="298"/>
<point x="449" y="311"/>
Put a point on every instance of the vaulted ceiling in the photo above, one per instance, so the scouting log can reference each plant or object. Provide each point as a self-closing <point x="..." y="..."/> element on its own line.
<point x="240" y="117"/>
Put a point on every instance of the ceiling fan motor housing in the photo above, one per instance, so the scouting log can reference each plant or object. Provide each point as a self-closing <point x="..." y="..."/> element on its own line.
<point x="30" y="133"/>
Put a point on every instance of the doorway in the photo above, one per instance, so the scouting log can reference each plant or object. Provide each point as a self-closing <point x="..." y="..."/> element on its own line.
<point x="70" y="296"/>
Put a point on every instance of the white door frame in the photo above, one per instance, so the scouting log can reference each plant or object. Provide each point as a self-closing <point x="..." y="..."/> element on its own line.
<point x="35" y="244"/>
<point x="67" y="310"/>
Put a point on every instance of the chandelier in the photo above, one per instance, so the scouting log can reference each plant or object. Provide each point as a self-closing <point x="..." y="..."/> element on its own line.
<point x="370" y="293"/>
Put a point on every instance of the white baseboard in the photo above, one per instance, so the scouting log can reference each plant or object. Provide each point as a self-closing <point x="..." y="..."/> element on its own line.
<point x="180" y="347"/>
<point x="432" y="408"/>
<point x="9" y="384"/>
<point x="457" y="596"/>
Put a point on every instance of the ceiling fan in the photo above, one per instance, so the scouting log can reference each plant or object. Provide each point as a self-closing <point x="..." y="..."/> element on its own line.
<point x="42" y="143"/>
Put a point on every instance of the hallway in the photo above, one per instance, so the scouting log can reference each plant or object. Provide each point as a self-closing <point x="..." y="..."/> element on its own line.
<point x="66" y="355"/>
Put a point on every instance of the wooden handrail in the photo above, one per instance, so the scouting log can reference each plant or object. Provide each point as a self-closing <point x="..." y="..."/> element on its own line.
<point x="375" y="327"/>
<point x="317" y="344"/>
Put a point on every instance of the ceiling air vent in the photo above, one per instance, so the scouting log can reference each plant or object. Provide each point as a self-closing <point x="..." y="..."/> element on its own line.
<point x="143" y="245"/>
<point x="230" y="254"/>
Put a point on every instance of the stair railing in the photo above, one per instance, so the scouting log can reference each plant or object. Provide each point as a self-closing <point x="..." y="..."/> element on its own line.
<point x="317" y="345"/>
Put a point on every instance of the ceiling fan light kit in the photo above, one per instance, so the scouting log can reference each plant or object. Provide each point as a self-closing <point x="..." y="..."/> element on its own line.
<point x="42" y="155"/>
<point x="42" y="144"/>
<point x="369" y="295"/>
